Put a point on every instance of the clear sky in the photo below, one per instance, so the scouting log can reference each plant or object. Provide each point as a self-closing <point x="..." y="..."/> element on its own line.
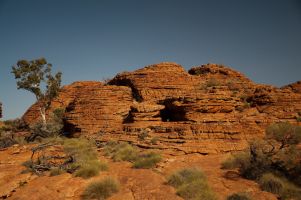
<point x="92" y="40"/>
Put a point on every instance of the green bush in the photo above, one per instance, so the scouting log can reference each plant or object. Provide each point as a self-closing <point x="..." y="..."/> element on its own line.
<point x="14" y="125"/>
<point x="191" y="184"/>
<point x="52" y="128"/>
<point x="236" y="160"/>
<point x="185" y="176"/>
<point x="147" y="160"/>
<point x="284" y="133"/>
<point x="86" y="162"/>
<point x="121" y="151"/>
<point x="239" y="196"/>
<point x="101" y="189"/>
<point x="271" y="183"/>
<point x="280" y="186"/>
<point x="55" y="171"/>
<point x="126" y="152"/>
<point x="91" y="168"/>
<point x="277" y="153"/>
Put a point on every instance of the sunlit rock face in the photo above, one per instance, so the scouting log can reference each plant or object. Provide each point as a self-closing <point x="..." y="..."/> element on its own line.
<point x="209" y="109"/>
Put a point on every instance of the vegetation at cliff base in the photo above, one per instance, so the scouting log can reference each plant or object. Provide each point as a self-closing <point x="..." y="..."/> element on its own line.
<point x="125" y="152"/>
<point x="274" y="162"/>
<point x="191" y="184"/>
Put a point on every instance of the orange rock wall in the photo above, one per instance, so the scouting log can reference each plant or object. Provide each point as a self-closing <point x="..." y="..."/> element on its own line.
<point x="209" y="109"/>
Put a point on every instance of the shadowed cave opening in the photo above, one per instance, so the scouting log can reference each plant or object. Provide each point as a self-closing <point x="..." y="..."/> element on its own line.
<point x="172" y="113"/>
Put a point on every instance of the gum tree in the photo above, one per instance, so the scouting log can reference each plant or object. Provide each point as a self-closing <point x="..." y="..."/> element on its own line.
<point x="35" y="76"/>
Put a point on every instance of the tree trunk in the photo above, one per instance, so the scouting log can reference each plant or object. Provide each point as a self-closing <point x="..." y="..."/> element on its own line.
<point x="43" y="115"/>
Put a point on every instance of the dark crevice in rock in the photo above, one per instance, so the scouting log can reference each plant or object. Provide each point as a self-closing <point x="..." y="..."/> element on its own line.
<point x="172" y="113"/>
<point x="127" y="82"/>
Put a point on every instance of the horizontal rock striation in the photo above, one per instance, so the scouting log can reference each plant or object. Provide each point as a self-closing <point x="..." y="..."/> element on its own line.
<point x="209" y="109"/>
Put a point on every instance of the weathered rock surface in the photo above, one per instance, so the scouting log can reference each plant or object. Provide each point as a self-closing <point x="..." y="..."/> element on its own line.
<point x="295" y="87"/>
<point x="134" y="183"/>
<point x="209" y="109"/>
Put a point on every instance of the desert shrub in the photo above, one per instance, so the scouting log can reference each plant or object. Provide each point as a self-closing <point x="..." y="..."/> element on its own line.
<point x="277" y="153"/>
<point x="121" y="151"/>
<point x="279" y="186"/>
<point x="52" y="128"/>
<point x="86" y="162"/>
<point x="126" y="152"/>
<point x="236" y="160"/>
<point x="284" y="133"/>
<point x="246" y="166"/>
<point x="191" y="184"/>
<point x="6" y="142"/>
<point x="185" y="176"/>
<point x="91" y="168"/>
<point x="147" y="160"/>
<point x="101" y="189"/>
<point x="239" y="196"/>
<point x="271" y="183"/>
<point x="55" y="171"/>
<point x="8" y="136"/>
<point x="15" y="125"/>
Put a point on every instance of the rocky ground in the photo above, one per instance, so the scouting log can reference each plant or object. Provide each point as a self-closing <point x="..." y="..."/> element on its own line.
<point x="135" y="183"/>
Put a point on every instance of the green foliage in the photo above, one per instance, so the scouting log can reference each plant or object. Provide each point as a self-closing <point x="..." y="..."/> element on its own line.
<point x="280" y="186"/>
<point x="235" y="161"/>
<point x="8" y="136"/>
<point x="86" y="162"/>
<point x="271" y="183"/>
<point x="126" y="152"/>
<point x="121" y="151"/>
<point x="102" y="189"/>
<point x="191" y="184"/>
<point x="6" y="142"/>
<point x="32" y="75"/>
<point x="276" y="153"/>
<point x="298" y="118"/>
<point x="53" y="127"/>
<point x="55" y="171"/>
<point x="14" y="125"/>
<point x="284" y="133"/>
<point x="239" y="196"/>
<point x="186" y="175"/>
<point x="35" y="76"/>
<point x="147" y="160"/>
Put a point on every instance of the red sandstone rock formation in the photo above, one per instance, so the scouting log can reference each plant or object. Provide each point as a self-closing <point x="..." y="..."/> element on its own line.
<point x="209" y="109"/>
<point x="295" y="87"/>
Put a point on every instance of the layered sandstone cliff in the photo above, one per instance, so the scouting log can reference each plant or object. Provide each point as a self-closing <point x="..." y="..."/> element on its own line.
<point x="209" y="109"/>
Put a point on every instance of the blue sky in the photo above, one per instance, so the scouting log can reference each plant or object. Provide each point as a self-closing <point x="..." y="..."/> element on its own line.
<point x="93" y="40"/>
